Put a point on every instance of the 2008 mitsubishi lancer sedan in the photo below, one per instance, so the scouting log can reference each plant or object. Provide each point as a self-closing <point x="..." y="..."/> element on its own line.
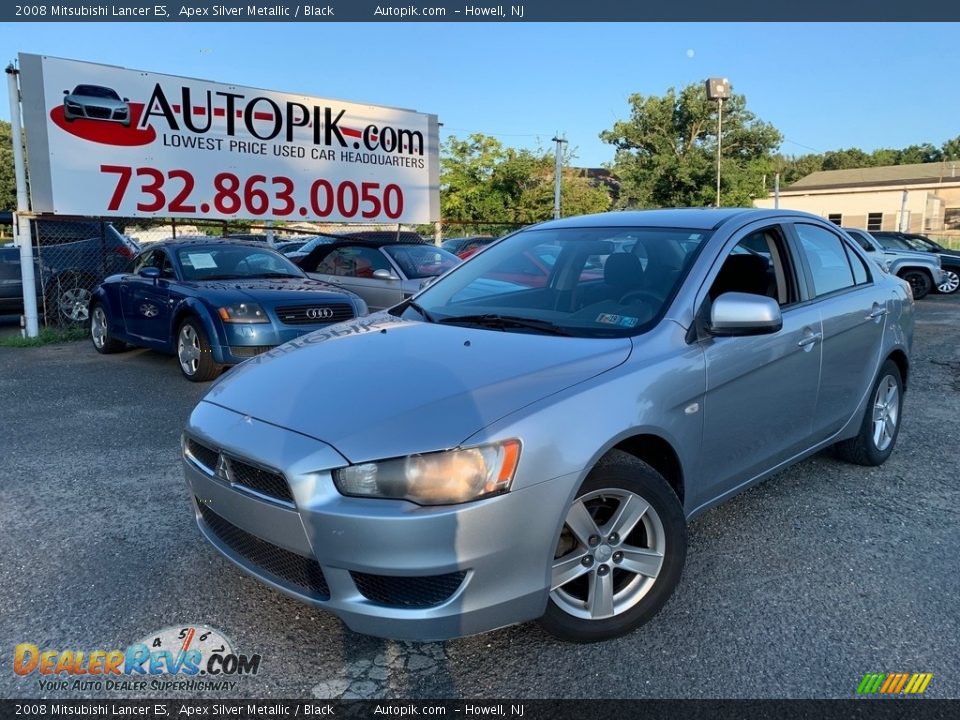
<point x="493" y="451"/>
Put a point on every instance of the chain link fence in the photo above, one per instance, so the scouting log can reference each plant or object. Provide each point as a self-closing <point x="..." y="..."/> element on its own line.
<point x="72" y="255"/>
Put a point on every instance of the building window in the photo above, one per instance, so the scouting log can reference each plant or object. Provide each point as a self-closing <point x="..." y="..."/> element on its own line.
<point x="835" y="218"/>
<point x="874" y="221"/>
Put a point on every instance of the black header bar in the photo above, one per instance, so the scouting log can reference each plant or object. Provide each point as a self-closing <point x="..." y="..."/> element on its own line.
<point x="490" y="11"/>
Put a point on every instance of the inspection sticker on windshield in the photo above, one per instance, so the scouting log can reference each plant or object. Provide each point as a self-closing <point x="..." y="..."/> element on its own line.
<point x="202" y="260"/>
<point x="621" y="320"/>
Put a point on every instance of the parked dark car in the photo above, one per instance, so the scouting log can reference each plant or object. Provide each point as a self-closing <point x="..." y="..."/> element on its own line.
<point x="464" y="247"/>
<point x="382" y="272"/>
<point x="949" y="259"/>
<point x="213" y="303"/>
<point x="70" y="259"/>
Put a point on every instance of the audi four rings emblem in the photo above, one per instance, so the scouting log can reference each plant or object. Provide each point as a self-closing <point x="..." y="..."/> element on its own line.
<point x="319" y="313"/>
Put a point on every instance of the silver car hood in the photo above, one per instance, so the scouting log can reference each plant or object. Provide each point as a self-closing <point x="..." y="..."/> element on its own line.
<point x="381" y="387"/>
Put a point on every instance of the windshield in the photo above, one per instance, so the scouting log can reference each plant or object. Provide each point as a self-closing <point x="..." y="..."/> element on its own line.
<point x="315" y="243"/>
<point x="921" y="244"/>
<point x="589" y="282"/>
<point x="95" y="91"/>
<point x="892" y="243"/>
<point x="421" y="261"/>
<point x="232" y="262"/>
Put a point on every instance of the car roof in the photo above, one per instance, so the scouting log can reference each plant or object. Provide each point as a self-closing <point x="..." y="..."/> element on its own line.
<point x="194" y="241"/>
<point x="692" y="218"/>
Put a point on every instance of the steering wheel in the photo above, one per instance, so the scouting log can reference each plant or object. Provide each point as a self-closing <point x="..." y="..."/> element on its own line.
<point x="655" y="299"/>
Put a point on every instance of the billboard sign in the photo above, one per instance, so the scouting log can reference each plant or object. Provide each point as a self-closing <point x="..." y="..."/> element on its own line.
<point x="105" y="140"/>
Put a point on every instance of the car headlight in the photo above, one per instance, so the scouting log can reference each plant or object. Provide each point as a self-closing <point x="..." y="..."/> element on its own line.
<point x="441" y="478"/>
<point x="243" y="313"/>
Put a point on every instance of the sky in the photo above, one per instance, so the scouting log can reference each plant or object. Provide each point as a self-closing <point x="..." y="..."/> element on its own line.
<point x="825" y="86"/>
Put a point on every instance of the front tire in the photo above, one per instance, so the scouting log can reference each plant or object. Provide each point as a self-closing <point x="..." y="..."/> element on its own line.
<point x="620" y="553"/>
<point x="103" y="342"/>
<point x="920" y="283"/>
<point x="194" y="354"/>
<point x="881" y="421"/>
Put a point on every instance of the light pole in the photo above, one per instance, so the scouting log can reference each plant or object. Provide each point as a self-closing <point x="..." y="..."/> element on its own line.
<point x="718" y="89"/>
<point x="557" y="174"/>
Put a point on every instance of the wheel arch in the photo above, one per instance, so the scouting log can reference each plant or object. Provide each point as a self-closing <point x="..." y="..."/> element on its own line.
<point x="192" y="308"/>
<point x="900" y="359"/>
<point x="659" y="454"/>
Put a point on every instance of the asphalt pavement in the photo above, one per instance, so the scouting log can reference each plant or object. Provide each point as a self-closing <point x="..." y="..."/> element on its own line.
<point x="794" y="589"/>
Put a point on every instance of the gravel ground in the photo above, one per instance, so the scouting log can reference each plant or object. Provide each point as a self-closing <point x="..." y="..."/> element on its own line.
<point x="796" y="588"/>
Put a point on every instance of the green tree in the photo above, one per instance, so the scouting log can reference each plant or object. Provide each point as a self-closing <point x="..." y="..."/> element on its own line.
<point x="951" y="149"/>
<point x="8" y="185"/>
<point x="846" y="159"/>
<point x="923" y="153"/>
<point x="486" y="184"/>
<point x="666" y="150"/>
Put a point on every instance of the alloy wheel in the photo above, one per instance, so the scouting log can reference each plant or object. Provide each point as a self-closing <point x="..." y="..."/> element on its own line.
<point x="886" y="412"/>
<point x="610" y="553"/>
<point x="188" y="349"/>
<point x="98" y="327"/>
<point x="951" y="282"/>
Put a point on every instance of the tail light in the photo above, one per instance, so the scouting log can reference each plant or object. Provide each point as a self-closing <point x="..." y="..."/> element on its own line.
<point x="124" y="251"/>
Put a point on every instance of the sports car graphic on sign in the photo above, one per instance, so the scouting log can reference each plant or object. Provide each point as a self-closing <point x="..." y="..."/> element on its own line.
<point x="95" y="102"/>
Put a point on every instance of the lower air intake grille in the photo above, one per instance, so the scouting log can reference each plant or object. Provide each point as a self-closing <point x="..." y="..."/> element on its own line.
<point x="283" y="564"/>
<point x="248" y="351"/>
<point x="411" y="592"/>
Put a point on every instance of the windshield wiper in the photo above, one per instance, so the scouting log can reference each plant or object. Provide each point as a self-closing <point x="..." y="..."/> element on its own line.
<point x="223" y="277"/>
<point x="275" y="275"/>
<point x="426" y="315"/>
<point x="502" y="322"/>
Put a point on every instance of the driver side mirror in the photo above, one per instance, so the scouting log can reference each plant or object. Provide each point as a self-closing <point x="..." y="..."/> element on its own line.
<point x="151" y="273"/>
<point x="383" y="274"/>
<point x="735" y="313"/>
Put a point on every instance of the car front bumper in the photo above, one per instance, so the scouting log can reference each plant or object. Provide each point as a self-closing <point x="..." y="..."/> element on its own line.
<point x="386" y="568"/>
<point x="238" y="342"/>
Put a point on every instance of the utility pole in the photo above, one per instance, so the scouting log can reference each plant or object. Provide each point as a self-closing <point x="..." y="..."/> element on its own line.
<point x="776" y="190"/>
<point x="557" y="174"/>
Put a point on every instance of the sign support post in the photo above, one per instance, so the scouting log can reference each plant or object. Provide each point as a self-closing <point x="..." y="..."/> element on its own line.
<point x="23" y="235"/>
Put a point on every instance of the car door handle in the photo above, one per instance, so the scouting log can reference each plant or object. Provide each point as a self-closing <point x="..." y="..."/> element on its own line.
<point x="810" y="339"/>
<point x="877" y="313"/>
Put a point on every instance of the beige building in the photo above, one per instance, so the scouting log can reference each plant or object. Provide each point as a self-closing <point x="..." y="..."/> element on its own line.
<point x="873" y="198"/>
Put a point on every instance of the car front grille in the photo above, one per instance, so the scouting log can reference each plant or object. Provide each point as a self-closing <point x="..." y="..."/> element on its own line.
<point x="249" y="351"/>
<point x="98" y="112"/>
<point x="315" y="314"/>
<point x="406" y="591"/>
<point x="239" y="472"/>
<point x="286" y="566"/>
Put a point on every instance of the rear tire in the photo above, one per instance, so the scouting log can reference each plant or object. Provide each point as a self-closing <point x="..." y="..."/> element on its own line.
<point x="920" y="283"/>
<point x="103" y="342"/>
<point x="620" y="554"/>
<point x="194" y="354"/>
<point x="881" y="421"/>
